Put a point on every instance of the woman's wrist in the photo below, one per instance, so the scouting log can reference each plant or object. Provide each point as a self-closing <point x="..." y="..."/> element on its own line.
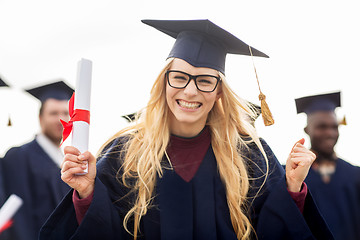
<point x="293" y="186"/>
<point x="86" y="192"/>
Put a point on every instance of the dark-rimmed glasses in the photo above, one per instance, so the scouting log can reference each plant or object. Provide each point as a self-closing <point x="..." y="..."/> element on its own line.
<point x="179" y="79"/>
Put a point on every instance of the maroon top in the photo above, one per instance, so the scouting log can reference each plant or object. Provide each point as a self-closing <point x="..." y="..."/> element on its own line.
<point x="186" y="155"/>
<point x="299" y="197"/>
<point x="81" y="205"/>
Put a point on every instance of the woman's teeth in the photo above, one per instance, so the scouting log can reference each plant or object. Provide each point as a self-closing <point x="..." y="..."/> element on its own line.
<point x="190" y="105"/>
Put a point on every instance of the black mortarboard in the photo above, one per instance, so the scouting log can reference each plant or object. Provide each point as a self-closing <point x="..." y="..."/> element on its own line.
<point x="322" y="102"/>
<point x="130" y="117"/>
<point x="2" y="83"/>
<point x="256" y="109"/>
<point x="202" y="43"/>
<point x="57" y="90"/>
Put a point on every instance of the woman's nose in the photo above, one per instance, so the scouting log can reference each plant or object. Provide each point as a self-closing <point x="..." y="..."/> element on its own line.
<point x="191" y="88"/>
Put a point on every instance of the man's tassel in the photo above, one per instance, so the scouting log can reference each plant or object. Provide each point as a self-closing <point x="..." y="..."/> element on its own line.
<point x="343" y="121"/>
<point x="9" y="122"/>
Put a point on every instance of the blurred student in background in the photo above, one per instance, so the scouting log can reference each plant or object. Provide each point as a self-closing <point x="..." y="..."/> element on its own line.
<point x="334" y="183"/>
<point x="32" y="171"/>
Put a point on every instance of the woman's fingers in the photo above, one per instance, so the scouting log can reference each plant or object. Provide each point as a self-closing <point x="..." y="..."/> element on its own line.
<point x="299" y="148"/>
<point x="301" y="151"/>
<point x="301" y="141"/>
<point x="298" y="165"/>
<point x="73" y="165"/>
<point x="70" y="158"/>
<point x="69" y="164"/>
<point x="71" y="154"/>
<point x="71" y="150"/>
<point x="308" y="154"/>
<point x="67" y="175"/>
<point x="81" y="160"/>
<point x="298" y="143"/>
<point x="301" y="159"/>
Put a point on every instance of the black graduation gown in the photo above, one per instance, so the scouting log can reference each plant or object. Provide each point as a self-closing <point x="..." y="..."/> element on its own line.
<point x="32" y="175"/>
<point x="193" y="210"/>
<point x="2" y="192"/>
<point x="339" y="200"/>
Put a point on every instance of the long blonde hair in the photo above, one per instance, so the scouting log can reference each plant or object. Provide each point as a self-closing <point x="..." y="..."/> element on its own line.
<point x="228" y="121"/>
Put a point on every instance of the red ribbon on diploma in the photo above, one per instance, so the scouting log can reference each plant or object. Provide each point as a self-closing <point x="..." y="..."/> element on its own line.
<point x="6" y="225"/>
<point x="76" y="115"/>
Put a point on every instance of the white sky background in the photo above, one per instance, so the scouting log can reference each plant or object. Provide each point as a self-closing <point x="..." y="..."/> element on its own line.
<point x="313" y="48"/>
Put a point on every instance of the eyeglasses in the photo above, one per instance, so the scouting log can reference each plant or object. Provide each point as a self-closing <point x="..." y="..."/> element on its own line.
<point x="204" y="83"/>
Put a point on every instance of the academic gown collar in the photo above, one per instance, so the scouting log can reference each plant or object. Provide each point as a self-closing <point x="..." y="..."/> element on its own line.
<point x="50" y="148"/>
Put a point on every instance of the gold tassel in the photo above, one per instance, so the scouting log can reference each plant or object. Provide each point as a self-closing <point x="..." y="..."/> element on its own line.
<point x="9" y="122"/>
<point x="343" y="121"/>
<point x="265" y="110"/>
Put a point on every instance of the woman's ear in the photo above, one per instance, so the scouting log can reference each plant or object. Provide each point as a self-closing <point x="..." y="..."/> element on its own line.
<point x="219" y="92"/>
<point x="218" y="95"/>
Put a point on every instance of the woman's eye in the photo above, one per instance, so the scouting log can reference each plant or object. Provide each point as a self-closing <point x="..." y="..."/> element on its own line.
<point x="204" y="81"/>
<point x="180" y="77"/>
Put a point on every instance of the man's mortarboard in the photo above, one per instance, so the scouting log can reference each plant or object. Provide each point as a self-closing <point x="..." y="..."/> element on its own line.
<point x="202" y="43"/>
<point x="58" y="90"/>
<point x="315" y="103"/>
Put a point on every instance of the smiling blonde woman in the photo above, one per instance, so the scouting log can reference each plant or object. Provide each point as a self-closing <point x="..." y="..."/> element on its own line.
<point x="191" y="166"/>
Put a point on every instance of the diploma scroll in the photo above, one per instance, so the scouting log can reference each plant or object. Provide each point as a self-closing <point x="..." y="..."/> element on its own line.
<point x="80" y="134"/>
<point x="8" y="210"/>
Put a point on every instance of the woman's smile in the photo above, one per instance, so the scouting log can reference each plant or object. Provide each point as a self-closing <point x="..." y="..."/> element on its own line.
<point x="188" y="105"/>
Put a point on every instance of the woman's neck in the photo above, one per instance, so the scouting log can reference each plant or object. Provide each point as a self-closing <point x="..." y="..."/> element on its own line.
<point x="186" y="130"/>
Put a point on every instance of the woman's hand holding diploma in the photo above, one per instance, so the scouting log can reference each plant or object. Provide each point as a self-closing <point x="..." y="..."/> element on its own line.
<point x="298" y="165"/>
<point x="73" y="164"/>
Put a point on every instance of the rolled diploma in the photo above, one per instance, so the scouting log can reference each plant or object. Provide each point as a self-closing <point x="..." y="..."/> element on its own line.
<point x="10" y="207"/>
<point x="80" y="135"/>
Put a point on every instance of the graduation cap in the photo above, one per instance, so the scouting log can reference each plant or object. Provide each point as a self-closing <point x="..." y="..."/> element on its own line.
<point x="2" y="83"/>
<point x="256" y="109"/>
<point x="315" y="103"/>
<point x="130" y="117"/>
<point x="202" y="43"/>
<point x="58" y="90"/>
